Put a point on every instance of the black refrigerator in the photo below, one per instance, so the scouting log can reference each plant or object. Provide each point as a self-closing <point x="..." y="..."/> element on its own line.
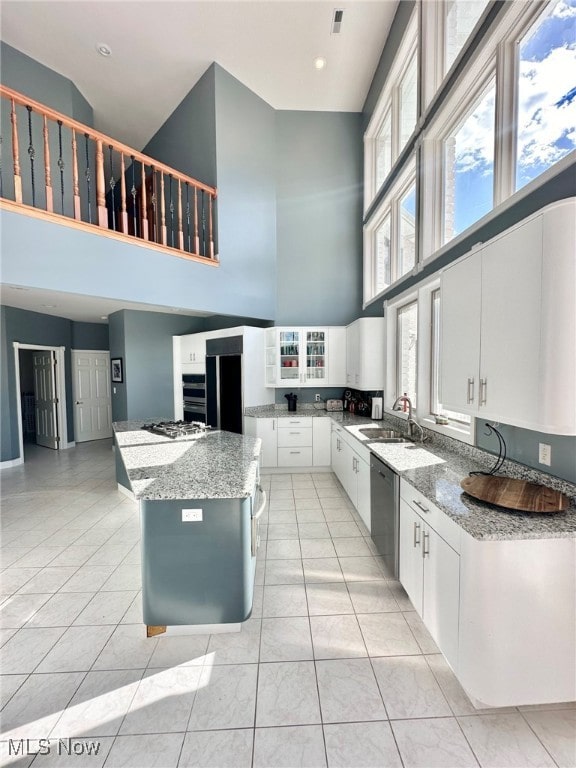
<point x="224" y="408"/>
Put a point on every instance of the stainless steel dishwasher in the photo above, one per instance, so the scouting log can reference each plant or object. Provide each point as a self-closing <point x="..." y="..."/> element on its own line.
<point x="385" y="513"/>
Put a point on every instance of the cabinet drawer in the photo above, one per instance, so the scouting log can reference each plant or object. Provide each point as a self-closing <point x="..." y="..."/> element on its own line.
<point x="290" y="423"/>
<point x="431" y="514"/>
<point x="294" y="436"/>
<point x="295" y="457"/>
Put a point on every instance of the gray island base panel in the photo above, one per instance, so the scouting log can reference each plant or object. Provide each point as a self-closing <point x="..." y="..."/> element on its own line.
<point x="197" y="500"/>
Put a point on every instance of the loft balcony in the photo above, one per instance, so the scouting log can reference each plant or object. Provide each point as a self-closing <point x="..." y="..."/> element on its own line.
<point x="62" y="170"/>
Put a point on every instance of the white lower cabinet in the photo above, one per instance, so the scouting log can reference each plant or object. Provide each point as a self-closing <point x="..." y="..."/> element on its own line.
<point x="430" y="569"/>
<point x="301" y="441"/>
<point x="266" y="430"/>
<point x="351" y="465"/>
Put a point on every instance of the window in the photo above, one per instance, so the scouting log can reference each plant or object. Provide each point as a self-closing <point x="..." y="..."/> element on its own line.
<point x="468" y="164"/>
<point x="408" y="101"/>
<point x="546" y="93"/>
<point x="390" y="239"/>
<point x="406" y="348"/>
<point x="384" y="149"/>
<point x="382" y="262"/>
<point x="436" y="408"/>
<point x="395" y="116"/>
<point x="460" y="18"/>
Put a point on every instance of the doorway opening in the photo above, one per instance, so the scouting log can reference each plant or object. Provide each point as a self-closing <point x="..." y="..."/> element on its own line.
<point x="41" y="397"/>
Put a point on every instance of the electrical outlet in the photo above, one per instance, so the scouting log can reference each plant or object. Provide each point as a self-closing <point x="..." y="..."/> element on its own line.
<point x="545" y="454"/>
<point x="191" y="515"/>
<point x="317" y="397"/>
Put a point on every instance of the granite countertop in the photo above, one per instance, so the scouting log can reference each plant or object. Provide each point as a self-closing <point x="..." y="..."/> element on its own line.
<point x="436" y="471"/>
<point x="212" y="465"/>
<point x="436" y="468"/>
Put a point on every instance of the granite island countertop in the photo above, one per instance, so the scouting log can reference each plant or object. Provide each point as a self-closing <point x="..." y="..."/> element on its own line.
<point x="212" y="465"/>
<point x="439" y="480"/>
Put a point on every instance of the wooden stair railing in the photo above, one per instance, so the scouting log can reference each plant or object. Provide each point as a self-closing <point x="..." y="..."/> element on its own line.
<point x="143" y="199"/>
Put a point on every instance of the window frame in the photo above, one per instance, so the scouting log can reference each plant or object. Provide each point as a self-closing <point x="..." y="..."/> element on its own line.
<point x="388" y="101"/>
<point x="422" y="294"/>
<point x="390" y="205"/>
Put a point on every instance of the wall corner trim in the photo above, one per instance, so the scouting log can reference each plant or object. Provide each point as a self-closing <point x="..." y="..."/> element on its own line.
<point x="11" y="463"/>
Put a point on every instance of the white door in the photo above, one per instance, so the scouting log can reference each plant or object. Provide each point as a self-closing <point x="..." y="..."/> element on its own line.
<point x="46" y="403"/>
<point x="91" y="393"/>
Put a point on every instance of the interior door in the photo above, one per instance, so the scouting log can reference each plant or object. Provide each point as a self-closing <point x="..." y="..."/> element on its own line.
<point x="45" y="401"/>
<point x="91" y="393"/>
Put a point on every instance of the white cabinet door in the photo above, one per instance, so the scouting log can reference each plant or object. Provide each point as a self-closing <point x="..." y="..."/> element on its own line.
<point x="460" y="348"/>
<point x="321" y="454"/>
<point x="267" y="431"/>
<point x="338" y="458"/>
<point x="193" y="352"/>
<point x="363" y="490"/>
<point x="365" y="354"/>
<point x="441" y="594"/>
<point x="349" y="479"/>
<point x="352" y="355"/>
<point x="301" y="357"/>
<point x="336" y="354"/>
<point x="510" y="325"/>
<point x="411" y="564"/>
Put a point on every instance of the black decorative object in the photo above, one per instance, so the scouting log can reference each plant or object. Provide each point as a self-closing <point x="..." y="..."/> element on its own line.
<point x="117" y="370"/>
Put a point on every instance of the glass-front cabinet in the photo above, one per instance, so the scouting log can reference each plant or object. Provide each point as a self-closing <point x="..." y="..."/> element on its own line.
<point x="296" y="357"/>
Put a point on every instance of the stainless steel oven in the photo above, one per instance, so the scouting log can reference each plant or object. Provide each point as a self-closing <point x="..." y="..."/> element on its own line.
<point x="194" y="396"/>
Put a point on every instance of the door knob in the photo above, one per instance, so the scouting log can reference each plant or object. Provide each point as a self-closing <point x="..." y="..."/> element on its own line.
<point x="79" y="402"/>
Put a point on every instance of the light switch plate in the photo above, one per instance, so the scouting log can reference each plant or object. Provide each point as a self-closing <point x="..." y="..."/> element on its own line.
<point x="191" y="515"/>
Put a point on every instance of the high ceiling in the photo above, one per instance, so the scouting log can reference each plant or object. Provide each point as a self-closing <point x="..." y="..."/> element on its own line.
<point x="161" y="48"/>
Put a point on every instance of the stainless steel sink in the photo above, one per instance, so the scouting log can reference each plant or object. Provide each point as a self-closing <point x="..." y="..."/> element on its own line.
<point x="393" y="440"/>
<point x="377" y="433"/>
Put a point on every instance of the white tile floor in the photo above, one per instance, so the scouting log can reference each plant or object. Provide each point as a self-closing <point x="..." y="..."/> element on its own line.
<point x="334" y="668"/>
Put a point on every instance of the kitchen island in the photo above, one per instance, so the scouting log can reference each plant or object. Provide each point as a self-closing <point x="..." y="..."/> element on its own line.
<point x="199" y="503"/>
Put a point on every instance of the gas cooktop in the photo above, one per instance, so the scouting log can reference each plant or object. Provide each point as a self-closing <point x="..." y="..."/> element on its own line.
<point x="174" y="429"/>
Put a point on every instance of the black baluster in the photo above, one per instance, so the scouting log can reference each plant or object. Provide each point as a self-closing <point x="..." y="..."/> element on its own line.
<point x="61" y="166"/>
<point x="133" y="193"/>
<point x="112" y="183"/>
<point x="171" y="209"/>
<point x="31" y="154"/>
<point x="88" y="178"/>
<point x="154" y="200"/>
<point x="203" y="225"/>
<point x="188" y="216"/>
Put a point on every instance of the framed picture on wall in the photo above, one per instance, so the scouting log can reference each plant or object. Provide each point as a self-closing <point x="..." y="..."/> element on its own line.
<point x="116" y="365"/>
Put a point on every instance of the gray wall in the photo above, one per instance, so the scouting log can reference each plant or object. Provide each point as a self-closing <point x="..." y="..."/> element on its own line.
<point x="90" y="336"/>
<point x="523" y="445"/>
<point x="45" y="330"/>
<point x="144" y="341"/>
<point x="319" y="217"/>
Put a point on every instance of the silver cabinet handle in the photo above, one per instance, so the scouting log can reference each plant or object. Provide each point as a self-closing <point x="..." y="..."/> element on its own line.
<point x="426" y="545"/>
<point x="421" y="506"/>
<point x="470" y="393"/>
<point x="416" y="534"/>
<point x="295" y="452"/>
<point x="79" y="402"/>
<point x="295" y="433"/>
<point x="483" y="391"/>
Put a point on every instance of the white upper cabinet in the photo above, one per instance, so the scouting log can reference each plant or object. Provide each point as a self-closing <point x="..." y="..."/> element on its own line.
<point x="305" y="357"/>
<point x="365" y="354"/>
<point x="508" y="346"/>
<point x="193" y="352"/>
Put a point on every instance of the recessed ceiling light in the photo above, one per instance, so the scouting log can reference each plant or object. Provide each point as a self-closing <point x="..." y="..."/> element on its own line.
<point x="49" y="306"/>
<point x="103" y="317"/>
<point x="319" y="62"/>
<point x="104" y="49"/>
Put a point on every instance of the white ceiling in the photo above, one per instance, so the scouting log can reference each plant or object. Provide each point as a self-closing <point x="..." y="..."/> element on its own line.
<point x="85" y="309"/>
<point x="161" y="48"/>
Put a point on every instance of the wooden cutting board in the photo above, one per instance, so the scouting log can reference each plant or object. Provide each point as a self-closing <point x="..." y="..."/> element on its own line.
<point x="515" y="494"/>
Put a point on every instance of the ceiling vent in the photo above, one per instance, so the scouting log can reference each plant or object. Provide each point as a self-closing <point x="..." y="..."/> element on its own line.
<point x="337" y="21"/>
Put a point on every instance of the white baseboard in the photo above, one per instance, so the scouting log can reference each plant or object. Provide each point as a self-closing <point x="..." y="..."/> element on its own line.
<point x="293" y="470"/>
<point x="202" y="629"/>
<point x="11" y="463"/>
<point x="125" y="491"/>
<point x="65" y="446"/>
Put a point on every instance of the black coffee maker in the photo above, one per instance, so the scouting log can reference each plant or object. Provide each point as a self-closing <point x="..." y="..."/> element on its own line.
<point x="292" y="398"/>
